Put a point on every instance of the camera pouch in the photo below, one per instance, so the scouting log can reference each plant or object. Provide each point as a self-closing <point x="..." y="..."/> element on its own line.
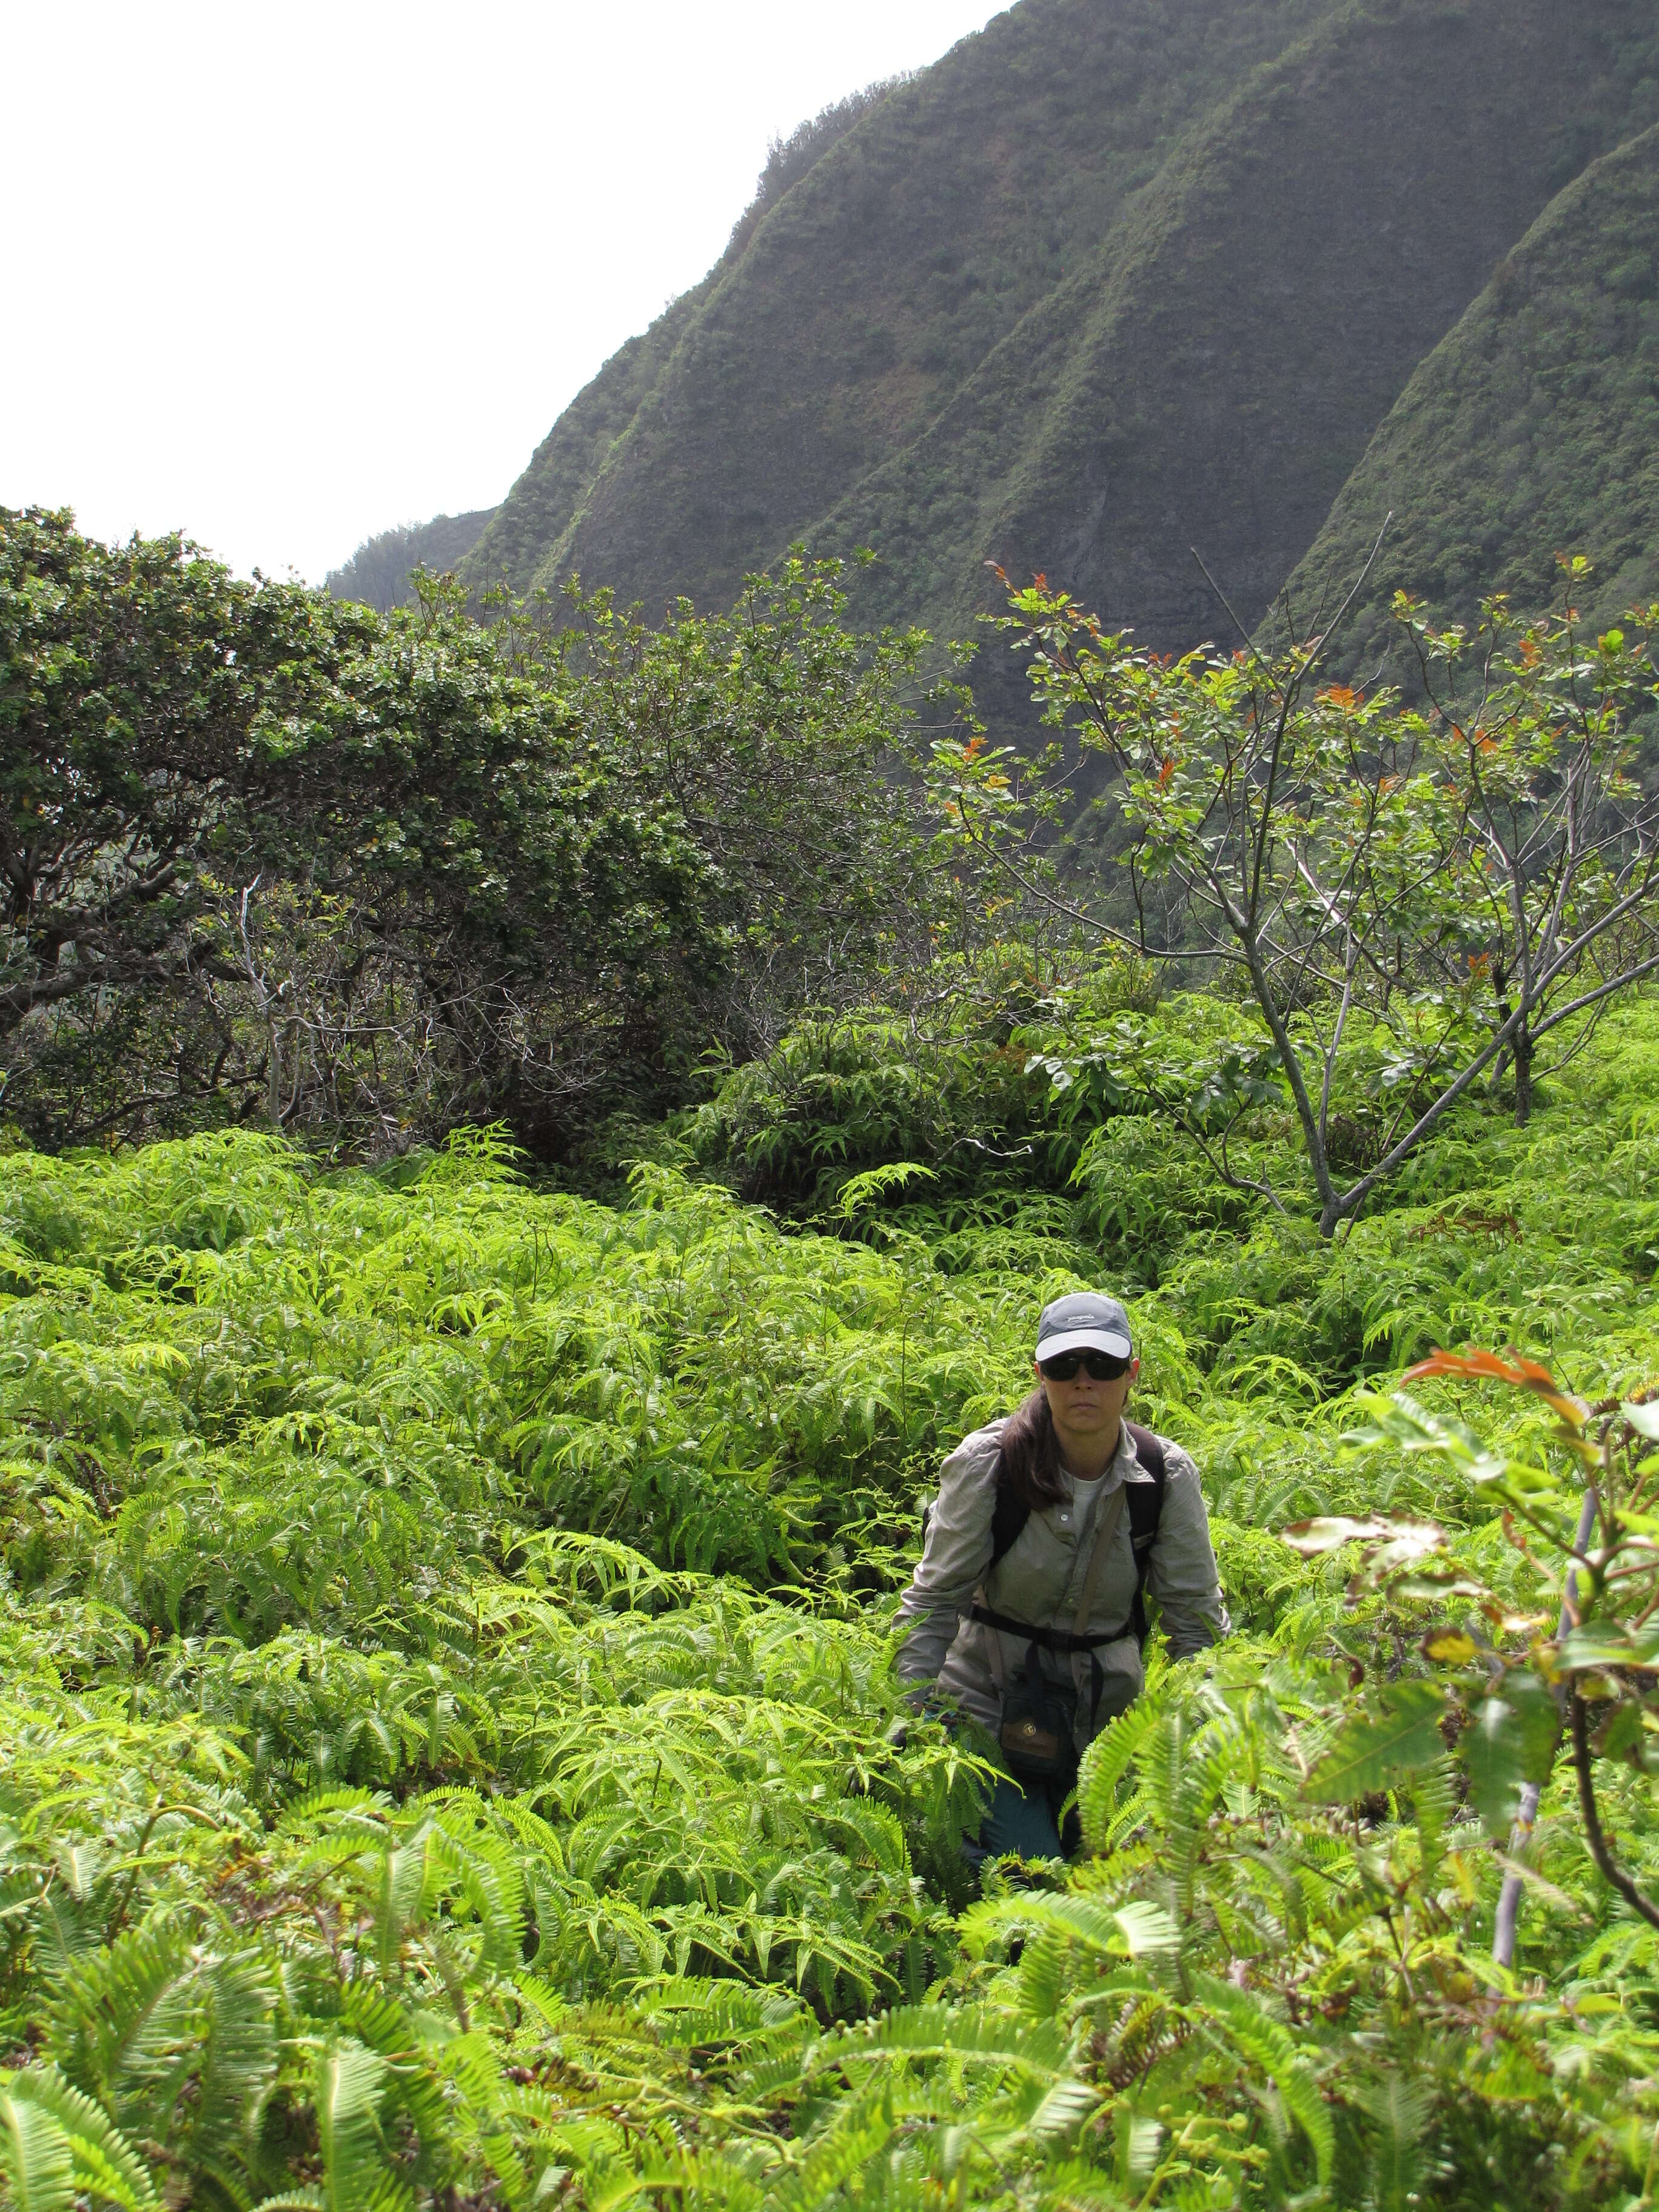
<point x="1038" y="1734"/>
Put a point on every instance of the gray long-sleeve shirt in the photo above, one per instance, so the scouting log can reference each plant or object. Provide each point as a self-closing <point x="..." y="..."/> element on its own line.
<point x="1040" y="1579"/>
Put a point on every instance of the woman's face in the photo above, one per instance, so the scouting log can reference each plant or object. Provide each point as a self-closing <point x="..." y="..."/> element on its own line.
<point x="1083" y="1408"/>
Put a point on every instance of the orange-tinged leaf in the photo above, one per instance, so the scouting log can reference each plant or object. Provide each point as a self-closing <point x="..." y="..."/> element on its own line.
<point x="1474" y="1366"/>
<point x="1477" y="1366"/>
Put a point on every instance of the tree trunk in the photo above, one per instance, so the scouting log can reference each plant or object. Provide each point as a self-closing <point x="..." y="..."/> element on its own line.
<point x="273" y="1071"/>
<point x="1523" y="1049"/>
<point x="1313" y="1134"/>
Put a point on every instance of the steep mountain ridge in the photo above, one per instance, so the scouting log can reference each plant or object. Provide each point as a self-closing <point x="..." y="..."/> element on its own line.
<point x="538" y="511"/>
<point x="1111" y="280"/>
<point x="877" y="284"/>
<point x="377" y="572"/>
<point x="1187" y="391"/>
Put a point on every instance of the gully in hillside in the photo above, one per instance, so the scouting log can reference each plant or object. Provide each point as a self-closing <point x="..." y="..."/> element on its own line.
<point x="1052" y="1529"/>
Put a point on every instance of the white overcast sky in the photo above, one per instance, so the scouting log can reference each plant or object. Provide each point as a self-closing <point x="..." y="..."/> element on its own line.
<point x="281" y="274"/>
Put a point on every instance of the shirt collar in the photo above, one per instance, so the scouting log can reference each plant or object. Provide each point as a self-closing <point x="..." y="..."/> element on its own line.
<point x="1124" y="1463"/>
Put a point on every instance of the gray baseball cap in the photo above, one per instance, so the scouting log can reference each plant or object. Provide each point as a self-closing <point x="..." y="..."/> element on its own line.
<point x="1085" y="1321"/>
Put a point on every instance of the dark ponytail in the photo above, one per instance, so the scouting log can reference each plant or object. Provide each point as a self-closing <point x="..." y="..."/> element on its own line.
<point x="1030" y="1461"/>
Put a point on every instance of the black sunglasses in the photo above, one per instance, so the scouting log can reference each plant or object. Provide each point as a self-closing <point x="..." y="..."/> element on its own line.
<point x="1102" y="1366"/>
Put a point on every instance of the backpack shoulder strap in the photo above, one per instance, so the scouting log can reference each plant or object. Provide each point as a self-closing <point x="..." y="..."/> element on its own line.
<point x="1146" y="1498"/>
<point x="1008" y="1516"/>
<point x="1149" y="1450"/>
<point x="1145" y="1510"/>
<point x="1008" y="1519"/>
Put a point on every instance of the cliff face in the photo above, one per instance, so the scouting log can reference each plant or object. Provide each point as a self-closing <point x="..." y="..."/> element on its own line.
<point x="1113" y="279"/>
<point x="1531" y="430"/>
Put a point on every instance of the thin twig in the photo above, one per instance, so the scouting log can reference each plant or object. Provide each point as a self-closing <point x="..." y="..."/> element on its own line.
<point x="1091" y="920"/>
<point x="1317" y="648"/>
<point x="1508" y="1901"/>
<point x="1227" y="603"/>
<point x="1611" y="1872"/>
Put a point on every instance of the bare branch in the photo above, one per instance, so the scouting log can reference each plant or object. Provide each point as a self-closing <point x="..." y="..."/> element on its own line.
<point x="1582" y="1764"/>
<point x="1089" y="920"/>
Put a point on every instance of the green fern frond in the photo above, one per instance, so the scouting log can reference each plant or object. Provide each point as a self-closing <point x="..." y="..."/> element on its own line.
<point x="239" y="2059"/>
<point x="348" y="2085"/>
<point x="125" y="2019"/>
<point x="935" y="2031"/>
<point x="56" y="2136"/>
<point x="36" y="2154"/>
<point x="1266" y="2044"/>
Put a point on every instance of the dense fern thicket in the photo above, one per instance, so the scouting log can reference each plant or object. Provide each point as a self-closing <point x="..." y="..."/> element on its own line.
<point x="446" y="1756"/>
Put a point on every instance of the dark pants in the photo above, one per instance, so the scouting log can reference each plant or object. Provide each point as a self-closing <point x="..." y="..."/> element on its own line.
<point x="1023" y="1821"/>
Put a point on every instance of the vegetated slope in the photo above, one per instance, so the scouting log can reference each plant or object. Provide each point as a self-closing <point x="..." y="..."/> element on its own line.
<point x="1107" y="281"/>
<point x="867" y="294"/>
<point x="542" y="504"/>
<point x="1213" y="384"/>
<point x="377" y="572"/>
<point x="1531" y="430"/>
<point x="538" y="509"/>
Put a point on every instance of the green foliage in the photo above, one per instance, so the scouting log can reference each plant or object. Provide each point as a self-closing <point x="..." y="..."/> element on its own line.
<point x="446" y="1742"/>
<point x="788" y="159"/>
<point x="1576" y="1507"/>
<point x="276" y="856"/>
<point x="1435" y="891"/>
<point x="380" y="572"/>
<point x="840" y="1098"/>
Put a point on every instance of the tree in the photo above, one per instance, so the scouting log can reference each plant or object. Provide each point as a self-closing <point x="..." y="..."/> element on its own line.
<point x="267" y="854"/>
<point x="1467" y="878"/>
<point x="776" y="741"/>
<point x="145" y="699"/>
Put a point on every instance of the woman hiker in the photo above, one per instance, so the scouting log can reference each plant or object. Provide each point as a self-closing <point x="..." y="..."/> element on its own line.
<point x="1052" y="1529"/>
